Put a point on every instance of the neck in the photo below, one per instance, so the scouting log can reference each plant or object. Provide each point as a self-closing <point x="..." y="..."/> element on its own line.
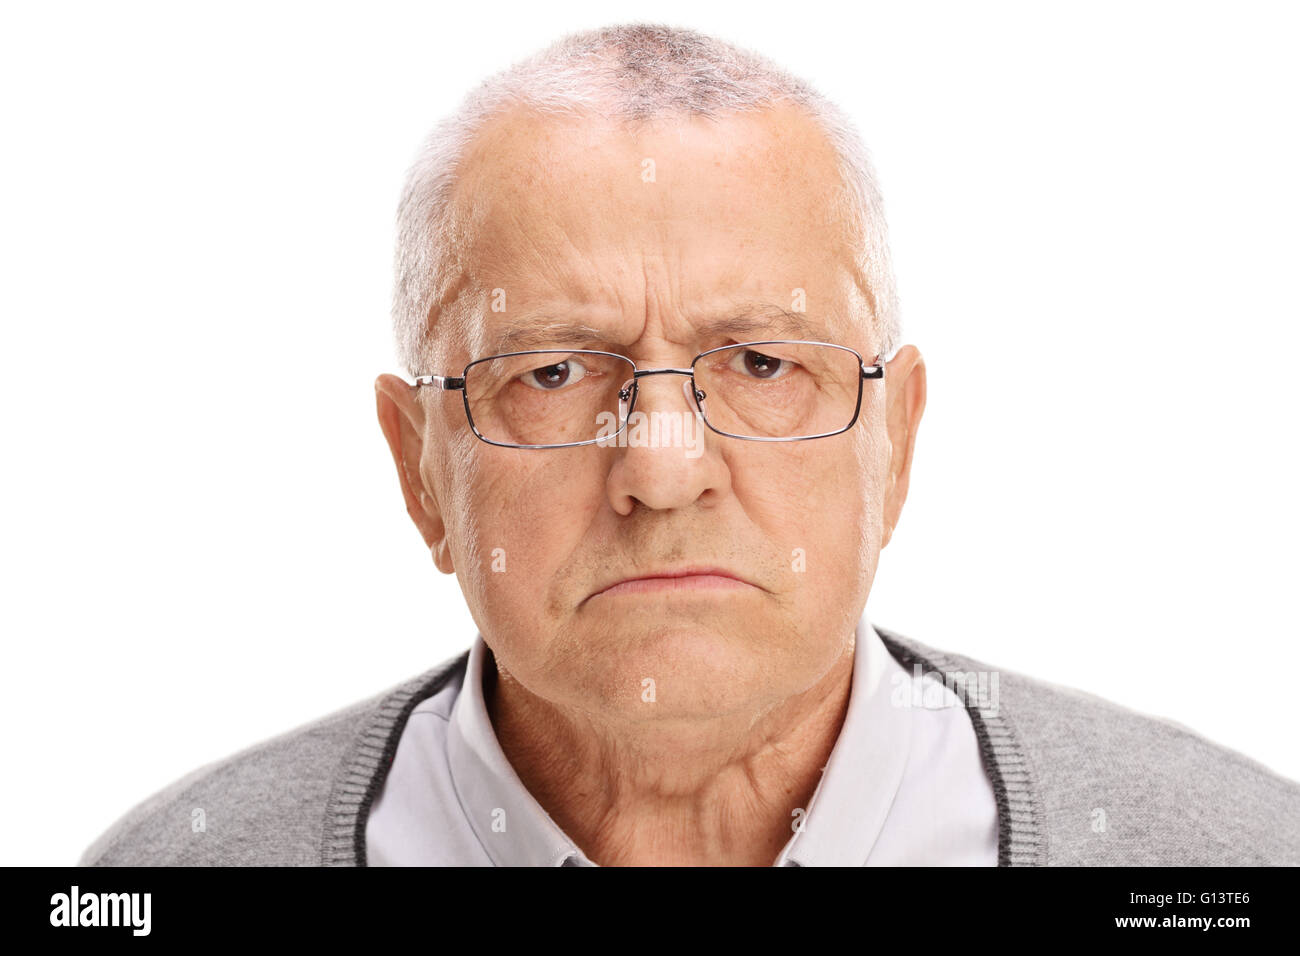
<point x="721" y="791"/>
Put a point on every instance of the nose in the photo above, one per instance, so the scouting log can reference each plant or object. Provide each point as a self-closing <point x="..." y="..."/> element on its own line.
<point x="664" y="460"/>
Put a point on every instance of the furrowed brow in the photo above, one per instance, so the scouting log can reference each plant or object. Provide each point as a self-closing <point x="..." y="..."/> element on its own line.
<point x="754" y="322"/>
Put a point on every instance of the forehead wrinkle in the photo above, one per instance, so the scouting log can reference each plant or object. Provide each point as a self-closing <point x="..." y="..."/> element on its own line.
<point x="549" y="259"/>
<point x="757" y="320"/>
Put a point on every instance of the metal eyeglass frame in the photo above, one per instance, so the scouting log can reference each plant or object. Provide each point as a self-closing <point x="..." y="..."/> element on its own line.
<point x="450" y="383"/>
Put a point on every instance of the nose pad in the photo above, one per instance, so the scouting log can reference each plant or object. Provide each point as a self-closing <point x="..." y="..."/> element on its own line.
<point x="691" y="397"/>
<point x="626" y="395"/>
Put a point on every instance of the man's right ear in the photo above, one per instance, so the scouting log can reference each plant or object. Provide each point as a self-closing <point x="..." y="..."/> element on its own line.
<point x="401" y="416"/>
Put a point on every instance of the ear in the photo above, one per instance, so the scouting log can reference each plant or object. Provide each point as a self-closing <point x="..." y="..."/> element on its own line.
<point x="905" y="401"/>
<point x="401" y="416"/>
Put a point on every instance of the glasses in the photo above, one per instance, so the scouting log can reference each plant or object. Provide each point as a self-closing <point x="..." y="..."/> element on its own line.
<point x="776" y="390"/>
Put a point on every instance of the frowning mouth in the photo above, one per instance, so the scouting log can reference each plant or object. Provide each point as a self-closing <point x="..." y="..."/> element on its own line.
<point x="678" y="580"/>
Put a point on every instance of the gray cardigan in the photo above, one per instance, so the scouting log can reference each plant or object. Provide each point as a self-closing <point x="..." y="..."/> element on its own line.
<point x="1078" y="781"/>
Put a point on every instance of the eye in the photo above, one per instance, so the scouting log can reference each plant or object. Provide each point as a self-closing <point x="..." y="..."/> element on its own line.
<point x="759" y="365"/>
<point x="551" y="378"/>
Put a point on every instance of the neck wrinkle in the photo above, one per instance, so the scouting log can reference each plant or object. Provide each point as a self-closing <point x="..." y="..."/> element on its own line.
<point x="628" y="801"/>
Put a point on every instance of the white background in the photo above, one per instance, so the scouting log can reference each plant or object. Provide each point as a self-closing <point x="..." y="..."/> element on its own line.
<point x="1094" y="215"/>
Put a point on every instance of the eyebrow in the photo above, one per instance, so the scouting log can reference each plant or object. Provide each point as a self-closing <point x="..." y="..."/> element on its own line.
<point x="765" y="319"/>
<point x="526" y="334"/>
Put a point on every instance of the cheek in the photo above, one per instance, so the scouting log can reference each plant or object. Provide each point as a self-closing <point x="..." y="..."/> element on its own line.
<point x="818" y="504"/>
<point x="801" y="483"/>
<point x="528" y="519"/>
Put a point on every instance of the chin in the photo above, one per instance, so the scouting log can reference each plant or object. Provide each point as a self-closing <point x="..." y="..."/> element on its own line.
<point x="697" y="671"/>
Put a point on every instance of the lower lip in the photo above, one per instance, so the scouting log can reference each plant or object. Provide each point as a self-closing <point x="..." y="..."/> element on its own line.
<point x="688" y="582"/>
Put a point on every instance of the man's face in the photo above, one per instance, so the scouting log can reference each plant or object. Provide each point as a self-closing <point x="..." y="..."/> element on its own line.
<point x="645" y="235"/>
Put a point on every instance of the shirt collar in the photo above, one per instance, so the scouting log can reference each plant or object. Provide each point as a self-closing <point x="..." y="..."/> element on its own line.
<point x="512" y="826"/>
<point x="841" y="823"/>
<point x="849" y="807"/>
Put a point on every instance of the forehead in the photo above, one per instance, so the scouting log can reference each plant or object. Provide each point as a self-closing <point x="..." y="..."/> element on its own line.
<point x="669" y="224"/>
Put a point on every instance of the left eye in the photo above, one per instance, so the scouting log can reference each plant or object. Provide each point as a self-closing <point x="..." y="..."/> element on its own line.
<point x="762" y="366"/>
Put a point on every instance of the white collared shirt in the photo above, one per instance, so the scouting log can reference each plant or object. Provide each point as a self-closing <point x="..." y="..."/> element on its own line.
<point x="904" y="786"/>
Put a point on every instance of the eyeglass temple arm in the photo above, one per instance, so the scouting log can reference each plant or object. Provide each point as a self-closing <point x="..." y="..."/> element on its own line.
<point x="441" y="381"/>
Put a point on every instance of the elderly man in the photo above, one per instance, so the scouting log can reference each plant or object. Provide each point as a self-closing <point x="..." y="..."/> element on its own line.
<point x="660" y="426"/>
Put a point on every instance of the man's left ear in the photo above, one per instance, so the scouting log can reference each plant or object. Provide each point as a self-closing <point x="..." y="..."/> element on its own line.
<point x="905" y="401"/>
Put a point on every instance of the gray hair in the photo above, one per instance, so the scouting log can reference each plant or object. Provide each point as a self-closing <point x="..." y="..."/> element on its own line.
<point x="635" y="72"/>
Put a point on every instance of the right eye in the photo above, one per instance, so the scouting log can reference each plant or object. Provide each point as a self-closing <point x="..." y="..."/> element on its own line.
<point x="550" y="378"/>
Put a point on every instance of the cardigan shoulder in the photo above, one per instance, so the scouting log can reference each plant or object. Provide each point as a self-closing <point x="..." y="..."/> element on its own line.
<point x="276" y="803"/>
<point x="1090" y="782"/>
